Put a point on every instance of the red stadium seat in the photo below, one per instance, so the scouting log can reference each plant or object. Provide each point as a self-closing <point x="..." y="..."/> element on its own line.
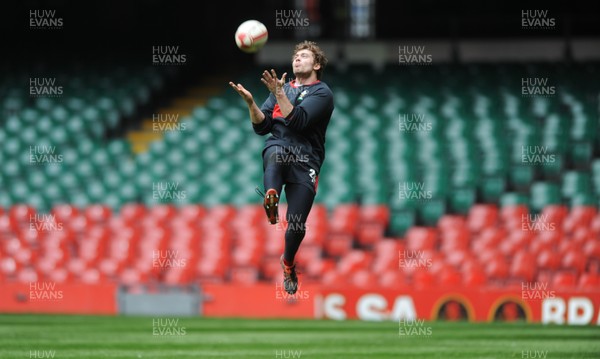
<point x="90" y="276"/>
<point x="574" y="260"/>
<point x="110" y="267"/>
<point x="482" y="216"/>
<point x="474" y="277"/>
<point x="27" y="275"/>
<point x="344" y="219"/>
<point x="221" y="214"/>
<point x="132" y="212"/>
<point x="391" y="279"/>
<point x="580" y="235"/>
<point x="580" y="216"/>
<point x="98" y="213"/>
<point x="592" y="248"/>
<point x="163" y="212"/>
<point x="539" y="245"/>
<point x="6" y="225"/>
<point x="318" y="214"/>
<point x="497" y="268"/>
<point x="378" y="214"/>
<point x="59" y="275"/>
<point x="450" y="278"/>
<point x="385" y="263"/>
<point x="454" y="239"/>
<point x="192" y="213"/>
<point x="595" y="227"/>
<point x="548" y="259"/>
<point x="457" y="257"/>
<point x="489" y="238"/>
<point x="450" y="221"/>
<point x="353" y="261"/>
<point x="564" y="280"/>
<point x="555" y="214"/>
<point x="270" y="267"/>
<point x="252" y="213"/>
<point x="64" y="213"/>
<point x="21" y="213"/>
<point x="8" y="266"/>
<point x="76" y="266"/>
<point x="333" y="279"/>
<point x="370" y="233"/>
<point x="423" y="279"/>
<point x="512" y="216"/>
<point x="130" y="276"/>
<point x="309" y="253"/>
<point x="523" y="266"/>
<point x="421" y="238"/>
<point x="363" y="279"/>
<point x="589" y="281"/>
<point x="318" y="267"/>
<point x="338" y="244"/>
<point x="316" y="232"/>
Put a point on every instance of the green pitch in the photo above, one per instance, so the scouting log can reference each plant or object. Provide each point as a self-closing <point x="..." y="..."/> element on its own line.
<point x="49" y="336"/>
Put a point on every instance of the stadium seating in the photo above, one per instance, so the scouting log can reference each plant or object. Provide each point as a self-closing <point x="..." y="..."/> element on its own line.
<point x="484" y="216"/>
<point x="226" y="243"/>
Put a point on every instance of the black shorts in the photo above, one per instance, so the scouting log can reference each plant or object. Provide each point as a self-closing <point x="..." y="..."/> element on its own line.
<point x="295" y="168"/>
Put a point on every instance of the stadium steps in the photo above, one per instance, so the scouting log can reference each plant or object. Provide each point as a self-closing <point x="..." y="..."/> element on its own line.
<point x="181" y="106"/>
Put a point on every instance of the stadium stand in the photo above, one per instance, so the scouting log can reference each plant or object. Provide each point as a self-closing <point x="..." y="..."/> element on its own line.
<point x="483" y="214"/>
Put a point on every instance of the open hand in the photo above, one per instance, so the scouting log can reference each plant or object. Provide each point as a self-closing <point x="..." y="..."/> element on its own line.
<point x="245" y="94"/>
<point x="274" y="84"/>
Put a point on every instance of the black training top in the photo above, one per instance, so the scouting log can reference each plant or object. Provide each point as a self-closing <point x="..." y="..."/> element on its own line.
<point x="303" y="130"/>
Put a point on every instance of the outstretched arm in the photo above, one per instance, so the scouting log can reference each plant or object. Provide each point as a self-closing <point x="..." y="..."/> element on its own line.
<point x="256" y="115"/>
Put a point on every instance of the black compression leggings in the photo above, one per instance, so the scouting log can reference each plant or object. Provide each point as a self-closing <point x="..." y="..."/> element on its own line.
<point x="300" y="199"/>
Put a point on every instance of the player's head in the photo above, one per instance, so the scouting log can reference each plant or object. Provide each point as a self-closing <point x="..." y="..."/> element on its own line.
<point x="308" y="57"/>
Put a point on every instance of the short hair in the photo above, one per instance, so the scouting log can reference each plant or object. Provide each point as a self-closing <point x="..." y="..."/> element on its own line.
<point x="319" y="55"/>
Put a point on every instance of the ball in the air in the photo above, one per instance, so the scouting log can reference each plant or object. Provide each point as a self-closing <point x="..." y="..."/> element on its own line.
<point x="251" y="36"/>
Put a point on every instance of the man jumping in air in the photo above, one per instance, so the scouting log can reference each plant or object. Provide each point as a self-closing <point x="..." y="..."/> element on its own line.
<point x="296" y="114"/>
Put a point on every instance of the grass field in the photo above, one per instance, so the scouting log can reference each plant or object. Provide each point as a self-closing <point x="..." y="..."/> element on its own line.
<point x="50" y="336"/>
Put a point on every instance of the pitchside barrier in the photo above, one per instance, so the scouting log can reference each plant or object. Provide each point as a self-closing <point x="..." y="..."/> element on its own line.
<point x="530" y="302"/>
<point x="162" y="300"/>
